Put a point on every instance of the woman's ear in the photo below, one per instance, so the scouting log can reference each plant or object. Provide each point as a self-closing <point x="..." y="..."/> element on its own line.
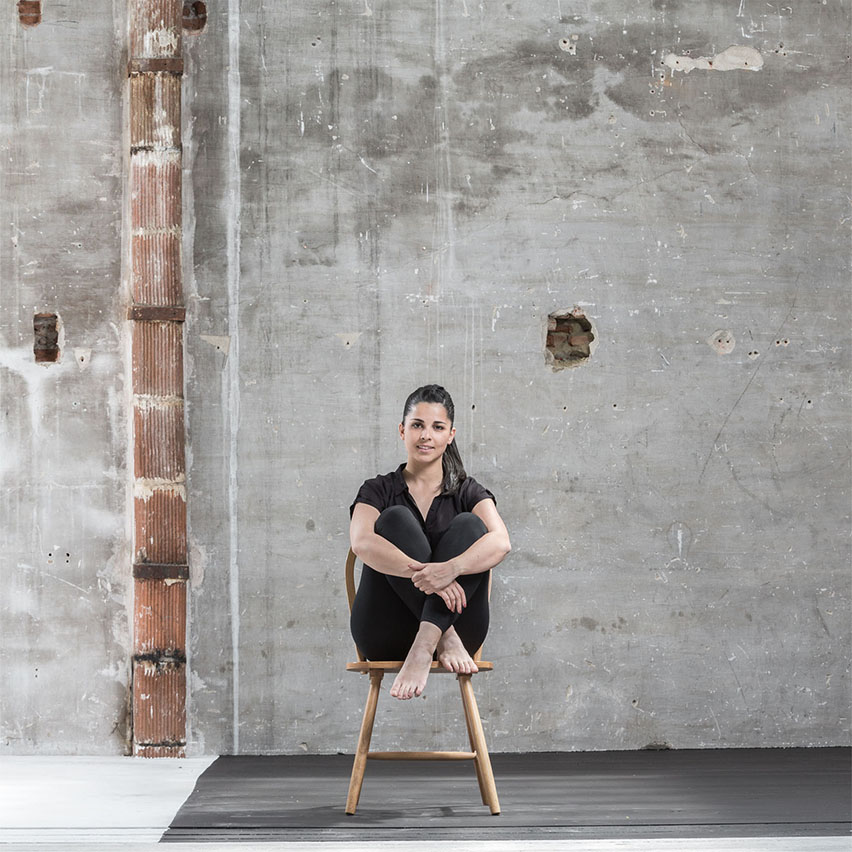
<point x="402" y="431"/>
<point x="452" y="435"/>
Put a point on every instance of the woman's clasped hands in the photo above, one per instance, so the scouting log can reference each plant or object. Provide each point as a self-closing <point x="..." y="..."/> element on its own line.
<point x="439" y="578"/>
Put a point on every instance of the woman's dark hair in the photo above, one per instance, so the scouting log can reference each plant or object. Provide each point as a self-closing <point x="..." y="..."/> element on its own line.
<point x="454" y="473"/>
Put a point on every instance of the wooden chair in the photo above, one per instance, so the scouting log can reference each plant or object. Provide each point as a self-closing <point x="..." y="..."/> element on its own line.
<point x="377" y="670"/>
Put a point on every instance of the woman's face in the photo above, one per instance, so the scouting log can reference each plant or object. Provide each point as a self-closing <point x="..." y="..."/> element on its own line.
<point x="427" y="431"/>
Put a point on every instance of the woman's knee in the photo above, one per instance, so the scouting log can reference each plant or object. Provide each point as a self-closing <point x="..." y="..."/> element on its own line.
<point x="398" y="525"/>
<point x="462" y="532"/>
<point x="395" y="519"/>
<point x="469" y="523"/>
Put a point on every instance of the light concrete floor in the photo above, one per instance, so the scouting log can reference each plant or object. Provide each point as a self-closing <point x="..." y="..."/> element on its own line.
<point x="745" y="844"/>
<point x="124" y="804"/>
<point x="92" y="799"/>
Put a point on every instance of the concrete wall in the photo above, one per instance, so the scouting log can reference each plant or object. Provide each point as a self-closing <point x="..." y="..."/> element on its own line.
<point x="64" y="547"/>
<point x="379" y="195"/>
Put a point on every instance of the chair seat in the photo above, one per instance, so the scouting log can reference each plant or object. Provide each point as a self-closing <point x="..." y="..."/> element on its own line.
<point x="367" y="666"/>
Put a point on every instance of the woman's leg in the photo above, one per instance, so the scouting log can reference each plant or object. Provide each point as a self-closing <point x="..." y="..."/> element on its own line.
<point x="424" y="623"/>
<point x="466" y="633"/>
<point x="382" y="625"/>
<point x="386" y="612"/>
<point x="399" y="526"/>
<point x="472" y="622"/>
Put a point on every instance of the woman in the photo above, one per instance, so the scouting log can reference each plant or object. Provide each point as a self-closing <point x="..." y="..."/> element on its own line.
<point x="428" y="535"/>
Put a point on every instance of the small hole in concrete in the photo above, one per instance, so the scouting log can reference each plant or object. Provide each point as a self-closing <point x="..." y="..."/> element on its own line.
<point x="46" y="334"/>
<point x="194" y="16"/>
<point x="29" y="12"/>
<point x="569" y="339"/>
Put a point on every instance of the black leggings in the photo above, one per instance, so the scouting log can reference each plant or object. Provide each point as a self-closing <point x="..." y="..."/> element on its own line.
<point x="387" y="611"/>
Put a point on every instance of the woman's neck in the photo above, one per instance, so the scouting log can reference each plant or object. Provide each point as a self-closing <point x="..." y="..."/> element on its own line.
<point x="427" y="476"/>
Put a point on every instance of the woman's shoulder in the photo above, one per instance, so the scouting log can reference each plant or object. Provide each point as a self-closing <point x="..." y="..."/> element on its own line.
<point x="380" y="491"/>
<point x="384" y="480"/>
<point x="384" y="483"/>
<point x="472" y="492"/>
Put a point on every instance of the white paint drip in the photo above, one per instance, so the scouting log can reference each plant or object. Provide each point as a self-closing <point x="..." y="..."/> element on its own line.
<point x="233" y="374"/>
<point x="144" y="489"/>
<point x="40" y="76"/>
<point x="165" y="132"/>
<point x="157" y="158"/>
<point x="444" y="231"/>
<point x="36" y="376"/>
<point x="162" y="42"/>
<point x="150" y="402"/>
<point x="735" y="58"/>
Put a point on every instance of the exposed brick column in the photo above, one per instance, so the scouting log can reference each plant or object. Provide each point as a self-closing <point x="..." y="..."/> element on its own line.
<point x="157" y="312"/>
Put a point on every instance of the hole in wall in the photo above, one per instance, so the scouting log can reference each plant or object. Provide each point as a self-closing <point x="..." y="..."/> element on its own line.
<point x="29" y="12"/>
<point x="194" y="16"/>
<point x="722" y="341"/>
<point x="46" y="338"/>
<point x="569" y="338"/>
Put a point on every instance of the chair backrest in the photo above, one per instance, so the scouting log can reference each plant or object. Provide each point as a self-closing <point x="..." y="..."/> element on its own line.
<point x="350" y="591"/>
<point x="350" y="596"/>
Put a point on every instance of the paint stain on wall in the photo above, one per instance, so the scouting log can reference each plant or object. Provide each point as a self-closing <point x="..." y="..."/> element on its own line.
<point x="735" y="58"/>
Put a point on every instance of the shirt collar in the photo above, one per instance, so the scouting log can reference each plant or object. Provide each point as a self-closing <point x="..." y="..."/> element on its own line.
<point x="399" y="484"/>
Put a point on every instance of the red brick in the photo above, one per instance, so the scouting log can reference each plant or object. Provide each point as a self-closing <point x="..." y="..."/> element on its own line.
<point x="155" y="191"/>
<point x="158" y="450"/>
<point x="159" y="616"/>
<point x="160" y="533"/>
<point x="159" y="704"/>
<point x="158" y="359"/>
<point x="155" y="111"/>
<point x="155" y="28"/>
<point x="158" y="751"/>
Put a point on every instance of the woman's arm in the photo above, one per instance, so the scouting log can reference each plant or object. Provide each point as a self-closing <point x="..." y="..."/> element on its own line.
<point x="386" y="558"/>
<point x="372" y="549"/>
<point x="482" y="555"/>
<point x="492" y="548"/>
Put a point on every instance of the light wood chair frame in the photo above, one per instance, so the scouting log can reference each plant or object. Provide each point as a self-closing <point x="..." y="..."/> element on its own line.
<point x="377" y="669"/>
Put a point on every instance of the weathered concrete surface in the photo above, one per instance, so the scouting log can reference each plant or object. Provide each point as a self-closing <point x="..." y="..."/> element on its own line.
<point x="409" y="192"/>
<point x="381" y="195"/>
<point x="64" y="635"/>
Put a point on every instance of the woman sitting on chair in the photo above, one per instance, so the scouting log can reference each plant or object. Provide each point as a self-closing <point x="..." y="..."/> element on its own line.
<point x="428" y="534"/>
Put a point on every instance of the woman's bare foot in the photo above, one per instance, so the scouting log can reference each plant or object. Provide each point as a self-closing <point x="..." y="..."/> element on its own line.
<point x="453" y="655"/>
<point x="412" y="676"/>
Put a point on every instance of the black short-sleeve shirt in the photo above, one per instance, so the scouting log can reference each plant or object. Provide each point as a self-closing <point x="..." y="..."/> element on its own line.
<point x="390" y="489"/>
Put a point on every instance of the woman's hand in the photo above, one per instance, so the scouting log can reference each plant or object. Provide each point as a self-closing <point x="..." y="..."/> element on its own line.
<point x="454" y="597"/>
<point x="432" y="577"/>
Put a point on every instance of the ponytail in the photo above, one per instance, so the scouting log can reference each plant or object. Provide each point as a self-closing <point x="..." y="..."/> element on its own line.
<point x="454" y="473"/>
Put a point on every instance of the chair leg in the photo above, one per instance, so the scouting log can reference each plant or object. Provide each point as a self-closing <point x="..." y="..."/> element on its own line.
<point x="360" y="763"/>
<point x="472" y="743"/>
<point x="483" y="761"/>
